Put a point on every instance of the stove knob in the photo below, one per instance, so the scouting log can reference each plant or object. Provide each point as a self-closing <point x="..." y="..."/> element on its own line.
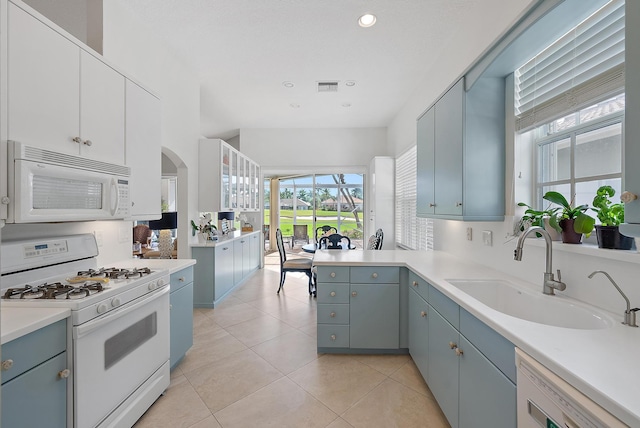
<point x="152" y="285"/>
<point x="102" y="308"/>
<point x="161" y="282"/>
<point x="115" y="302"/>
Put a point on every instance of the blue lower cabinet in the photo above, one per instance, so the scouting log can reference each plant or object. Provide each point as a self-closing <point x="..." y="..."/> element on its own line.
<point x="418" y="319"/>
<point x="181" y="315"/>
<point x="375" y="316"/>
<point x="487" y="397"/>
<point x="333" y="336"/>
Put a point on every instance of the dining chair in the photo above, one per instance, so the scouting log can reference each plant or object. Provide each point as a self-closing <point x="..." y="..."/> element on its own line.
<point x="380" y="237"/>
<point x="300" y="233"/>
<point x="335" y="241"/>
<point x="141" y="234"/>
<point x="325" y="230"/>
<point x="372" y="244"/>
<point x="293" y="265"/>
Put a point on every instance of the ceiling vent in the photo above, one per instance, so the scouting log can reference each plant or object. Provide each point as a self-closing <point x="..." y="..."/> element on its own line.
<point x="328" y="86"/>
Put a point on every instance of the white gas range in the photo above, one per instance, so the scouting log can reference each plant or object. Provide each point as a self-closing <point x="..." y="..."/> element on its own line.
<point x="119" y="317"/>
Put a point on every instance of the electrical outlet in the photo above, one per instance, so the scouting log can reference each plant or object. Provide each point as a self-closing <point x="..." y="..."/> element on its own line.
<point x="487" y="238"/>
<point x="469" y="234"/>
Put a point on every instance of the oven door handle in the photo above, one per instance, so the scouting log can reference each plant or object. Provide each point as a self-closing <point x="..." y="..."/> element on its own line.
<point x="88" y="327"/>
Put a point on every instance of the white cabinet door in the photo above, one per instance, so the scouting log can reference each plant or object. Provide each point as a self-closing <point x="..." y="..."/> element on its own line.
<point x="43" y="89"/>
<point x="143" y="151"/>
<point x="101" y="110"/>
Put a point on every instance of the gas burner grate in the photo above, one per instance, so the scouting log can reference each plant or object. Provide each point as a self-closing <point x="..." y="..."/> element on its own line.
<point x="56" y="290"/>
<point x="116" y="273"/>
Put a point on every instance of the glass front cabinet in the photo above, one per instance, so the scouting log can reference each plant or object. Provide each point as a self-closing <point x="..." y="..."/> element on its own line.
<point x="228" y="180"/>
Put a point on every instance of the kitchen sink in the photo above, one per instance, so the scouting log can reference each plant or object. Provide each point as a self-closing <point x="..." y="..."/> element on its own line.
<point x="528" y="305"/>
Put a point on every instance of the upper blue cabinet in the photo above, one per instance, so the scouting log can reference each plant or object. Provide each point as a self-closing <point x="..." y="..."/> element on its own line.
<point x="461" y="154"/>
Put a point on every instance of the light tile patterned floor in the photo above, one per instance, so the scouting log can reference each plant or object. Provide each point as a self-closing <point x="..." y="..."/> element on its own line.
<point x="254" y="364"/>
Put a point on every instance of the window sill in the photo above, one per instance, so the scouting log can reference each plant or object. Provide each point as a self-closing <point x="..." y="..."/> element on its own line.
<point x="590" y="249"/>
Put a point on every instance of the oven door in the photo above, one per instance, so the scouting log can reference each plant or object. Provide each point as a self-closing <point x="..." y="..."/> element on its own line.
<point x="116" y="353"/>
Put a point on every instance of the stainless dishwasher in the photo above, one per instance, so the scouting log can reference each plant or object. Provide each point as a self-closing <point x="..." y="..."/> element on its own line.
<point x="545" y="400"/>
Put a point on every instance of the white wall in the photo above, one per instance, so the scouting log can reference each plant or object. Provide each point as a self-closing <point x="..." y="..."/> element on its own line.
<point x="136" y="50"/>
<point x="313" y="150"/>
<point x="450" y="236"/>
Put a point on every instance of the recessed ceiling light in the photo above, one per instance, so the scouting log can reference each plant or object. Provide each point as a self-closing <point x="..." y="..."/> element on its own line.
<point x="350" y="83"/>
<point x="294" y="105"/>
<point x="367" y="20"/>
<point x="346" y="104"/>
<point x="288" y="84"/>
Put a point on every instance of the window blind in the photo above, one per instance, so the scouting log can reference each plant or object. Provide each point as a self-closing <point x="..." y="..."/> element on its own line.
<point x="411" y="232"/>
<point x="584" y="66"/>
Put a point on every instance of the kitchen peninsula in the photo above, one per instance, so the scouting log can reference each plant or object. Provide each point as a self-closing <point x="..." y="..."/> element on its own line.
<point x="578" y="363"/>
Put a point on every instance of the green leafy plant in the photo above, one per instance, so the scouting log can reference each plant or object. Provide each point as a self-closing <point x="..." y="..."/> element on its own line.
<point x="609" y="213"/>
<point x="583" y="223"/>
<point x="533" y="217"/>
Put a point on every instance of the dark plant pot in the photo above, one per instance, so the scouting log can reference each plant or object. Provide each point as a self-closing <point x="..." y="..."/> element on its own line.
<point x="569" y="235"/>
<point x="610" y="237"/>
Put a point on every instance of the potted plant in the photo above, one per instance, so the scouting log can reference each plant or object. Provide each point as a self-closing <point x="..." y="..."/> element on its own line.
<point x="610" y="215"/>
<point x="542" y="218"/>
<point x="204" y="229"/>
<point x="572" y="221"/>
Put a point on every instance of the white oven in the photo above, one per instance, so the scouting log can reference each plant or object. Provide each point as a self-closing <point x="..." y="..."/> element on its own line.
<point x="120" y="352"/>
<point x="46" y="186"/>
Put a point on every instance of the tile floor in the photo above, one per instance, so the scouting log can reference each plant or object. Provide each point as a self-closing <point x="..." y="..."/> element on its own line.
<point x="254" y="364"/>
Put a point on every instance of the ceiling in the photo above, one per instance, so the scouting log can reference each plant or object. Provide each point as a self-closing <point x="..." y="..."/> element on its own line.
<point x="243" y="51"/>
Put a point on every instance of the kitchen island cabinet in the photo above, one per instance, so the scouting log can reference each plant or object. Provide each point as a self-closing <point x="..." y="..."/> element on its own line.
<point x="35" y="370"/>
<point x="181" y="315"/>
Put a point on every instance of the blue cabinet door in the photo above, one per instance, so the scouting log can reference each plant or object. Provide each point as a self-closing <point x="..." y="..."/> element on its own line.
<point x="375" y="316"/>
<point x="487" y="397"/>
<point x="37" y="398"/>
<point x="442" y="372"/>
<point x="418" y="331"/>
<point x="426" y="163"/>
<point x="181" y="322"/>
<point x="224" y="274"/>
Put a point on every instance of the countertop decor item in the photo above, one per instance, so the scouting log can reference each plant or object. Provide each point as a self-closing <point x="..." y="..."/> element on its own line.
<point x="205" y="229"/>
<point x="572" y="221"/>
<point x="610" y="214"/>
<point x="168" y="222"/>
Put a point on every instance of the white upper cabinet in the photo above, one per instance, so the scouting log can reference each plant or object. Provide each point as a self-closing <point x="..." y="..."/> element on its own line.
<point x="60" y="96"/>
<point x="228" y="180"/>
<point x="144" y="152"/>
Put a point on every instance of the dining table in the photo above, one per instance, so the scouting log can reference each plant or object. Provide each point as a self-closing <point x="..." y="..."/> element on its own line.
<point x="312" y="247"/>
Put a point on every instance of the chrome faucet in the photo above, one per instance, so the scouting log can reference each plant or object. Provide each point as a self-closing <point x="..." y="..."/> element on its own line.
<point x="549" y="284"/>
<point x="629" y="314"/>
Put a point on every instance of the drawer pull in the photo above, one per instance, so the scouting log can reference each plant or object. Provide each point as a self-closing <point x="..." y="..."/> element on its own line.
<point x="452" y="345"/>
<point x="432" y="205"/>
<point x="459" y="352"/>
<point x="181" y="279"/>
<point x="333" y="337"/>
<point x="7" y="364"/>
<point x="374" y="275"/>
<point x="87" y="143"/>
<point x="332" y="314"/>
<point x="423" y="314"/>
<point x="63" y="374"/>
<point x="458" y="204"/>
<point x="414" y="283"/>
<point x="354" y="293"/>
<point x="332" y="274"/>
<point x="332" y="294"/>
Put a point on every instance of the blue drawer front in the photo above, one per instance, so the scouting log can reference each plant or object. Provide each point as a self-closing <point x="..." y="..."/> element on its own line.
<point x="181" y="278"/>
<point x="333" y="336"/>
<point x="375" y="274"/>
<point x="34" y="348"/>
<point x="419" y="285"/>
<point x="333" y="313"/>
<point x="445" y="306"/>
<point x="496" y="348"/>
<point x="333" y="293"/>
<point x="333" y="274"/>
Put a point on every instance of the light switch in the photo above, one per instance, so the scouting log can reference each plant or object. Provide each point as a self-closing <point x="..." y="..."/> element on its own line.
<point x="469" y="234"/>
<point x="487" y="238"/>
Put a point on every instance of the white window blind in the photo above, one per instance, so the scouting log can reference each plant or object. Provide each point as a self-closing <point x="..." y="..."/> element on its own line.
<point x="411" y="232"/>
<point x="584" y="66"/>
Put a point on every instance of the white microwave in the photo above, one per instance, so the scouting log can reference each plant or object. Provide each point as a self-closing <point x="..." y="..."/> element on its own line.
<point x="47" y="186"/>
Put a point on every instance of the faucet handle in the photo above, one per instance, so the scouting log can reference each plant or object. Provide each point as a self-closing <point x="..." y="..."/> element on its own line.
<point x="559" y="276"/>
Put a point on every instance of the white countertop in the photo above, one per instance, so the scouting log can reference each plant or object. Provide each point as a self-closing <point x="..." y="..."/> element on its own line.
<point x="174" y="265"/>
<point x="602" y="364"/>
<point x="16" y="322"/>
<point x="223" y="239"/>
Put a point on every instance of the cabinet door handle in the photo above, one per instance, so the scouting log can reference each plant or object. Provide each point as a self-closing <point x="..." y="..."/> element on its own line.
<point x="423" y="314"/>
<point x="354" y="293"/>
<point x="458" y="204"/>
<point x="374" y="275"/>
<point x="459" y="352"/>
<point x="332" y="274"/>
<point x="627" y="197"/>
<point x="432" y="205"/>
<point x="414" y="283"/>
<point x="87" y="143"/>
<point x="452" y="345"/>
<point x="333" y="337"/>
<point x="332" y="314"/>
<point x="181" y="279"/>
<point x="63" y="374"/>
<point x="332" y="294"/>
<point x="7" y="364"/>
<point x="77" y="140"/>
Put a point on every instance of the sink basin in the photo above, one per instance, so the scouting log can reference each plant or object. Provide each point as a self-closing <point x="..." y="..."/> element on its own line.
<point x="515" y="301"/>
